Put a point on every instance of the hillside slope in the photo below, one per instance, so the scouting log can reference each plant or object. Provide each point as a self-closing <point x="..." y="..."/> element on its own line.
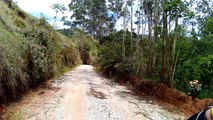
<point x="31" y="51"/>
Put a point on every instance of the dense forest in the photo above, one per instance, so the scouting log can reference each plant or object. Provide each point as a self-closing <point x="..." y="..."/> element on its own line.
<point x="169" y="41"/>
<point x="165" y="40"/>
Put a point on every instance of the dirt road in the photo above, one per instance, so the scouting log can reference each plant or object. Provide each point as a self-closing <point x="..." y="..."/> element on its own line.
<point x="82" y="94"/>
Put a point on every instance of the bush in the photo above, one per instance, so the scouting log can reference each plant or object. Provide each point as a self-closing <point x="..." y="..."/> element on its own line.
<point x="111" y="55"/>
<point x="70" y="55"/>
<point x="38" y="56"/>
<point x="206" y="93"/>
<point x="86" y="46"/>
<point x="13" y="78"/>
<point x="197" y="68"/>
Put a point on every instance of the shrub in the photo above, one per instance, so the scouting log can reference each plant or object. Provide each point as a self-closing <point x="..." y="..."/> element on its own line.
<point x="13" y="77"/>
<point x="86" y="46"/>
<point x="70" y="55"/>
<point x="197" y="68"/>
<point x="111" y="54"/>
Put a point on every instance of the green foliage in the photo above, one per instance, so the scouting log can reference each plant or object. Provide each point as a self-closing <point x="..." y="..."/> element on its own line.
<point x="110" y="56"/>
<point x="19" y="23"/>
<point x="39" y="54"/>
<point x="86" y="46"/>
<point x="206" y="93"/>
<point x="181" y="85"/>
<point x="207" y="28"/>
<point x="70" y="56"/>
<point x="67" y="32"/>
<point x="12" y="67"/>
<point x="91" y="16"/>
<point x="198" y="68"/>
<point x="195" y="63"/>
<point x="58" y="8"/>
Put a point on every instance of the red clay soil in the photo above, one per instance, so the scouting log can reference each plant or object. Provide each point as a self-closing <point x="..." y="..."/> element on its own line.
<point x="1" y="112"/>
<point x="169" y="95"/>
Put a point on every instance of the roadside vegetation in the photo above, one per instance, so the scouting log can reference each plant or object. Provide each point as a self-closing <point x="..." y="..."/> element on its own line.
<point x="85" y="44"/>
<point x="31" y="52"/>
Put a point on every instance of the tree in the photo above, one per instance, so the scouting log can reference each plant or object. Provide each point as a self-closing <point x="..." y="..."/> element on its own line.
<point x="207" y="28"/>
<point x="164" y="70"/>
<point x="91" y="16"/>
<point x="157" y="11"/>
<point x="130" y="3"/>
<point x="58" y="8"/>
<point x="115" y="10"/>
<point x="78" y="7"/>
<point x="125" y="24"/>
<point x="148" y="10"/>
<point x="176" y="10"/>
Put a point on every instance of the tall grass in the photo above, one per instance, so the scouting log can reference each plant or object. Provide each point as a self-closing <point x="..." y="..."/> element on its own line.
<point x="31" y="51"/>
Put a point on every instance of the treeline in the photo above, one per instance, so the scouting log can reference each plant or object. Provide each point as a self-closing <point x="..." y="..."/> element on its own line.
<point x="85" y="44"/>
<point x="31" y="51"/>
<point x="170" y="40"/>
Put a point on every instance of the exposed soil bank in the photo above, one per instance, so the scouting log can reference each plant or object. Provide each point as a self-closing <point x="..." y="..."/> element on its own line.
<point x="165" y="94"/>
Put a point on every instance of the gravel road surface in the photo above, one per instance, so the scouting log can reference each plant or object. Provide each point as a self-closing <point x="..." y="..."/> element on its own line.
<point x="82" y="94"/>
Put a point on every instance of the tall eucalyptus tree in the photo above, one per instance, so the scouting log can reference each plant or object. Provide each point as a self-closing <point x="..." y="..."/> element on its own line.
<point x="90" y="15"/>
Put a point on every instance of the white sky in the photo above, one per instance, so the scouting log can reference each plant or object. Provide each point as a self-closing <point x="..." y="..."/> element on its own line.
<point x="36" y="7"/>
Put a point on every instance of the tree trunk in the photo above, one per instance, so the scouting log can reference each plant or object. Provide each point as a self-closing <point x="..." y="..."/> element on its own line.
<point x="131" y="22"/>
<point x="149" y="16"/>
<point x="156" y="20"/>
<point x="164" y="69"/>
<point x="150" y="46"/>
<point x="124" y="34"/>
<point x="174" y="50"/>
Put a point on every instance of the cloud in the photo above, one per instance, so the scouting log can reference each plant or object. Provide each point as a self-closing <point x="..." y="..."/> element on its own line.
<point x="36" y="7"/>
